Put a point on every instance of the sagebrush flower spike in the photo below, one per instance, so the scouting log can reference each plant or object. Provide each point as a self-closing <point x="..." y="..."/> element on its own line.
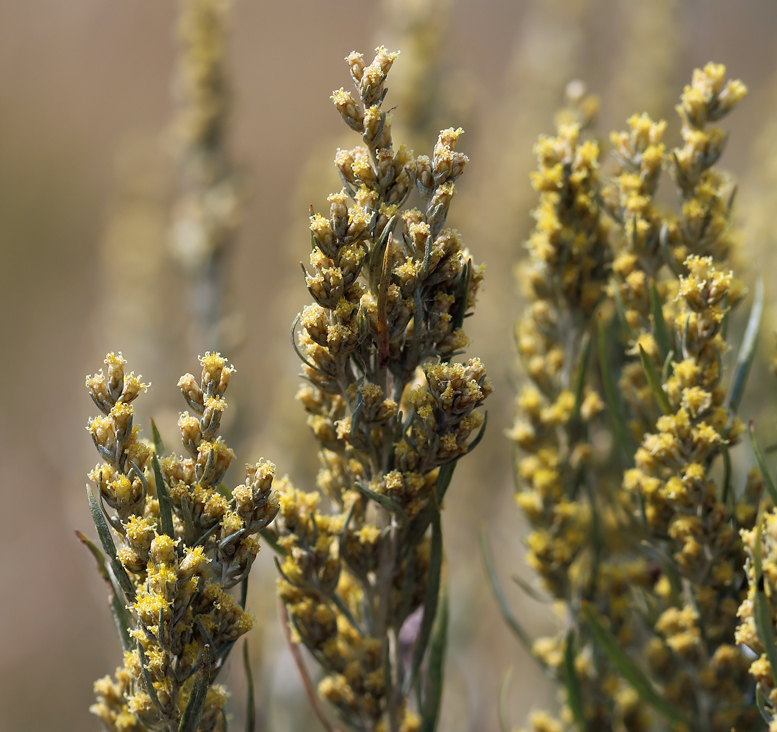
<point x="392" y="413"/>
<point x="184" y="541"/>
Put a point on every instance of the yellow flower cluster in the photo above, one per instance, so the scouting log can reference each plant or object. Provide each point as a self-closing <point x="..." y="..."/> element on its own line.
<point x="702" y="226"/>
<point x="640" y="155"/>
<point x="761" y="546"/>
<point x="594" y="535"/>
<point x="652" y="238"/>
<point x="391" y="410"/>
<point x="574" y="514"/>
<point x="566" y="275"/>
<point x="691" y="515"/>
<point x="185" y="540"/>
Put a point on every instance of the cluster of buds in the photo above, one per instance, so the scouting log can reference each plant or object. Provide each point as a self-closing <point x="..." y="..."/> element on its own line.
<point x="391" y="411"/>
<point x="565" y="276"/>
<point x="184" y="541"/>
<point x="757" y="630"/>
<point x="640" y="155"/>
<point x="676" y="409"/>
<point x="703" y="224"/>
<point x="119" y="478"/>
<point x="689" y="514"/>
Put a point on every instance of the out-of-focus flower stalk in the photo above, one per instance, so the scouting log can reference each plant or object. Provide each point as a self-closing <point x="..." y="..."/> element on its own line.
<point x="207" y="212"/>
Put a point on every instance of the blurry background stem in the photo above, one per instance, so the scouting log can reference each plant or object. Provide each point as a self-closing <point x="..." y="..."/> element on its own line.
<point x="206" y="213"/>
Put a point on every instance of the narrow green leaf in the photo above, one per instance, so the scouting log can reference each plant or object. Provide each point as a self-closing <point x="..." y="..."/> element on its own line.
<point x="121" y="618"/>
<point x="458" y="316"/>
<point x="408" y="586"/>
<point x="150" y="690"/>
<point x="189" y="534"/>
<point x="244" y="592"/>
<point x="762" y="612"/>
<point x="622" y="435"/>
<point x="499" y="594"/>
<point x="727" y="493"/>
<point x="663" y="238"/>
<point x="747" y="349"/>
<point x="99" y="557"/>
<point x="529" y="590"/>
<point x="436" y="667"/>
<point x="654" y="382"/>
<point x="375" y="263"/>
<point x="479" y="436"/>
<point x="159" y="446"/>
<point x="504" y="690"/>
<point x="627" y="668"/>
<point x="110" y="548"/>
<point x="190" y="719"/>
<point x="761" y="460"/>
<point x="250" y="703"/>
<point x="571" y="682"/>
<point x="272" y="541"/>
<point x="165" y="509"/>
<point x="667" y="365"/>
<point x="760" y="702"/>
<point x="660" y="329"/>
<point x="620" y="309"/>
<point x="582" y="368"/>
<point x="758" y="550"/>
<point x="444" y="477"/>
<point x="388" y="503"/>
<point x="431" y="599"/>
<point x="346" y="611"/>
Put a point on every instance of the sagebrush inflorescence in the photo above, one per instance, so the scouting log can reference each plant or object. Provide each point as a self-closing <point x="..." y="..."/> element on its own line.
<point x="651" y="563"/>
<point x="649" y="536"/>
<point x="184" y="541"/>
<point x="392" y="413"/>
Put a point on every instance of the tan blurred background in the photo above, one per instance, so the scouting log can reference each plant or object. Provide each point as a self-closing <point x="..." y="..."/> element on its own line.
<point x="85" y="190"/>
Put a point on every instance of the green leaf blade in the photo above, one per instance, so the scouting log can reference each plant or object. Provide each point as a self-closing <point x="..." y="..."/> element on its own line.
<point x="250" y="702"/>
<point x="654" y="382"/>
<point x="121" y="618"/>
<point x="627" y="668"/>
<point x="190" y="719"/>
<point x="622" y="435"/>
<point x="384" y="501"/>
<point x="660" y="329"/>
<point x="747" y="349"/>
<point x="572" y="683"/>
<point x="444" y="478"/>
<point x="501" y="599"/>
<point x="165" y="507"/>
<point x="436" y="671"/>
<point x="159" y="446"/>
<point x="104" y="533"/>
<point x="431" y="600"/>
<point x="582" y="369"/>
<point x="763" y="467"/>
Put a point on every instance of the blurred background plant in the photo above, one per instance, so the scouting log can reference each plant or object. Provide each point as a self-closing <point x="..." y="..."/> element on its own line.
<point x="88" y="187"/>
<point x="635" y="517"/>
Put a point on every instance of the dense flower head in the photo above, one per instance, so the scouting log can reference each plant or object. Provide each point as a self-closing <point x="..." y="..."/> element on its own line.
<point x="756" y="631"/>
<point x="660" y="284"/>
<point x="184" y="541"/>
<point x="392" y="411"/>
